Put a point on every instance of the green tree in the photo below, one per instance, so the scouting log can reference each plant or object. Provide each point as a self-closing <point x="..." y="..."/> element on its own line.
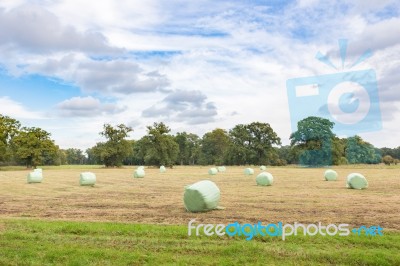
<point x="214" y="146"/>
<point x="253" y="144"/>
<point x="74" y="156"/>
<point x="359" y="151"/>
<point x="160" y="148"/>
<point x="313" y="139"/>
<point x="117" y="148"/>
<point x="189" y="148"/>
<point x="9" y="127"/>
<point x="33" y="146"/>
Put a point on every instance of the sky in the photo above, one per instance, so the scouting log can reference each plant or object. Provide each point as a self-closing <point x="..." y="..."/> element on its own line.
<point x="71" y="66"/>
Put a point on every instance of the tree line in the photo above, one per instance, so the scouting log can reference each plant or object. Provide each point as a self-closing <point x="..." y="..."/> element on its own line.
<point x="313" y="144"/>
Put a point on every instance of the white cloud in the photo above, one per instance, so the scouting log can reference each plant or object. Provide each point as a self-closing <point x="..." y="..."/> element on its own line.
<point x="17" y="110"/>
<point x="87" y="107"/>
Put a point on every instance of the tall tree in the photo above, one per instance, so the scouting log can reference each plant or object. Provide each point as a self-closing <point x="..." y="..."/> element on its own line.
<point x="75" y="156"/>
<point x="214" y="147"/>
<point x="254" y="144"/>
<point x="162" y="148"/>
<point x="313" y="139"/>
<point x="9" y="127"/>
<point x="116" y="149"/>
<point x="189" y="147"/>
<point x="33" y="146"/>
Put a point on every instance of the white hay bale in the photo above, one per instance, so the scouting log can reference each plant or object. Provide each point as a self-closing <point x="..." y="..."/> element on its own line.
<point x="330" y="175"/>
<point x="264" y="179"/>
<point x="201" y="196"/>
<point x="140" y="167"/>
<point x="221" y="168"/>
<point x="35" y="177"/>
<point x="212" y="171"/>
<point x="139" y="173"/>
<point x="87" y="179"/>
<point x="248" y="171"/>
<point x="162" y="169"/>
<point x="263" y="168"/>
<point x="356" y="181"/>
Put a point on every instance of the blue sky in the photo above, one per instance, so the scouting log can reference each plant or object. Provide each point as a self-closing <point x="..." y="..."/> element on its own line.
<point x="69" y="67"/>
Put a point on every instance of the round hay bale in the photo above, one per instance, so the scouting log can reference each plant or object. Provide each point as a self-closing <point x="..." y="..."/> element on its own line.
<point x="330" y="175"/>
<point x="248" y="171"/>
<point x="139" y="173"/>
<point x="201" y="196"/>
<point x="212" y="171"/>
<point x="162" y="169"/>
<point x="264" y="179"/>
<point x="221" y="168"/>
<point x="356" y="181"/>
<point x="140" y="167"/>
<point x="87" y="179"/>
<point x="35" y="177"/>
<point x="263" y="168"/>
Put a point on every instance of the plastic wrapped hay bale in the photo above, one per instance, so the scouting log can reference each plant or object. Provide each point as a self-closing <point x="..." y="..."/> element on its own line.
<point x="201" y="196"/>
<point x="330" y="175"/>
<point x="356" y="181"/>
<point x="87" y="179"/>
<point x="263" y="168"/>
<point x="212" y="171"/>
<point x="248" y="171"/>
<point x="221" y="168"/>
<point x="140" y="167"/>
<point x="35" y="177"/>
<point x="162" y="169"/>
<point x="264" y="179"/>
<point x="139" y="173"/>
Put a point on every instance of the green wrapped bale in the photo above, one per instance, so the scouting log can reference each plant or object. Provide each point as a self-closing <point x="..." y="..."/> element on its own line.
<point x="221" y="168"/>
<point x="201" y="196"/>
<point x="263" y="168"/>
<point x="330" y="175"/>
<point x="87" y="179"/>
<point x="140" y="167"/>
<point x="212" y="171"/>
<point x="356" y="181"/>
<point x="35" y="177"/>
<point x="162" y="169"/>
<point x="264" y="179"/>
<point x="139" y="173"/>
<point x="248" y="171"/>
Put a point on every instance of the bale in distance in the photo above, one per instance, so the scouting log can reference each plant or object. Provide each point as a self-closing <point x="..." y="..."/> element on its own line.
<point x="221" y="168"/>
<point x="263" y="168"/>
<point x="139" y="173"/>
<point x="201" y="196"/>
<point x="264" y="179"/>
<point x="212" y="171"/>
<point x="330" y="175"/>
<point x="162" y="169"/>
<point x="248" y="171"/>
<point x="356" y="181"/>
<point x="87" y="179"/>
<point x="140" y="167"/>
<point x="35" y="177"/>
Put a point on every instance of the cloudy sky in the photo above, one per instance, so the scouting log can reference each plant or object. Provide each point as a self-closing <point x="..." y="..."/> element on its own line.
<point x="71" y="66"/>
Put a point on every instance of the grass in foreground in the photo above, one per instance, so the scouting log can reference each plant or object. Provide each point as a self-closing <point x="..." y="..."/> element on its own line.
<point x="33" y="242"/>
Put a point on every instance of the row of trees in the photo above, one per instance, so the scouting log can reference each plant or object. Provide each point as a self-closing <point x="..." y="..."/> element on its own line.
<point x="256" y="143"/>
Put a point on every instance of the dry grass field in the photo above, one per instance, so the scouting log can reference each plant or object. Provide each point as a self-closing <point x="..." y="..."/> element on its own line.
<point x="297" y="195"/>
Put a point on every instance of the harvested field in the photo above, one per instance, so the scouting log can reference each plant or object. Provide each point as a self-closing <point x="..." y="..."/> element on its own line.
<point x="297" y="195"/>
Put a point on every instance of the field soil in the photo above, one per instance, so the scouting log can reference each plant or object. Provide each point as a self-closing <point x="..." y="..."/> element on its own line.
<point x="297" y="195"/>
